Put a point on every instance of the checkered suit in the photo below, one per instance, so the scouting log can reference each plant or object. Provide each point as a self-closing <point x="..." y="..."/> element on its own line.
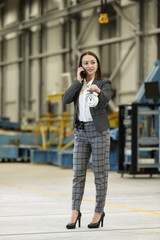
<point x="95" y="139"/>
<point x="89" y="141"/>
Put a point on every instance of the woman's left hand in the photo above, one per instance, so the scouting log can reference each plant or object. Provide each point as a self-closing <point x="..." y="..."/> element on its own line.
<point x="94" y="88"/>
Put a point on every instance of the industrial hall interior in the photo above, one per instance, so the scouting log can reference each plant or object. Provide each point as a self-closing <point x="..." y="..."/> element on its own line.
<point x="79" y="119"/>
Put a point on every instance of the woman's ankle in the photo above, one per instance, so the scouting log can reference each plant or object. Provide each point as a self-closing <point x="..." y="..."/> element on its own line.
<point x="74" y="216"/>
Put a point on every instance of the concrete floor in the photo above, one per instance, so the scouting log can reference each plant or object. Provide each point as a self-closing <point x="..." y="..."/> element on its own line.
<point x="35" y="202"/>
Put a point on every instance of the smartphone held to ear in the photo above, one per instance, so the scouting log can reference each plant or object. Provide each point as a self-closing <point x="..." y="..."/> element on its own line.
<point x="83" y="74"/>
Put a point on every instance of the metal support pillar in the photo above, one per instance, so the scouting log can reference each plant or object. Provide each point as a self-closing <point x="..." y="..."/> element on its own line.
<point x="44" y="82"/>
<point x="118" y="54"/>
<point x="138" y="39"/>
<point x="20" y="76"/>
<point x="1" y="78"/>
<point x="158" y="16"/>
<point x="40" y="72"/>
<point x="3" y="70"/>
<point x="74" y="48"/>
<point x="27" y="69"/>
<point x="134" y="117"/>
<point x="1" y="58"/>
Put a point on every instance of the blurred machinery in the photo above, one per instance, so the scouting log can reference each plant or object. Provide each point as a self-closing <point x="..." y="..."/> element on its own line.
<point x="139" y="129"/>
<point x="28" y="122"/>
<point x="113" y="119"/>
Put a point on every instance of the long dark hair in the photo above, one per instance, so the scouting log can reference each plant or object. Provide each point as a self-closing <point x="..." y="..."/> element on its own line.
<point x="98" y="74"/>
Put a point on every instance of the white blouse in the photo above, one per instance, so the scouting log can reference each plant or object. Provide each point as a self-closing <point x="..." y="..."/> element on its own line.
<point x="83" y="110"/>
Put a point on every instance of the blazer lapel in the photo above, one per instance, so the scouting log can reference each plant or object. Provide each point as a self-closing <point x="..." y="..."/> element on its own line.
<point x="96" y="82"/>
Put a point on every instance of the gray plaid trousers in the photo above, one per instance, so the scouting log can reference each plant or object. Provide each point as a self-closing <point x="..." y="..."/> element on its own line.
<point x="89" y="141"/>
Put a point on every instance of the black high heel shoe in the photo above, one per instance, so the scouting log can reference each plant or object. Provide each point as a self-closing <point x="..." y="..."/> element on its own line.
<point x="97" y="224"/>
<point x="73" y="225"/>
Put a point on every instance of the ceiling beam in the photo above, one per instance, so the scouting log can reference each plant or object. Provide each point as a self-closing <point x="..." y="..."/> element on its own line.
<point x="66" y="12"/>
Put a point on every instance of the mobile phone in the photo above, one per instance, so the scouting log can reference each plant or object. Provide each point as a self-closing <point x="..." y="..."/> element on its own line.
<point x="83" y="74"/>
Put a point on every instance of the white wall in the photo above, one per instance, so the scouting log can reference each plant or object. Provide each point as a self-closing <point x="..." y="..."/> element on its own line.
<point x="11" y="83"/>
<point x="128" y="71"/>
<point x="54" y="63"/>
<point x="150" y="41"/>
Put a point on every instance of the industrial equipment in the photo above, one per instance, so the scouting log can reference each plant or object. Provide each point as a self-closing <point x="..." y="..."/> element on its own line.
<point x="55" y="128"/>
<point x="139" y="129"/>
<point x="28" y="120"/>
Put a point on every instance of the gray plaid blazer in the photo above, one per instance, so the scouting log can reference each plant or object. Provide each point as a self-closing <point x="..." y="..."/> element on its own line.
<point x="98" y="112"/>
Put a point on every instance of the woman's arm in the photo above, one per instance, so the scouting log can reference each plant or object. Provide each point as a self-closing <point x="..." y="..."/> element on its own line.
<point x="70" y="93"/>
<point x="105" y="92"/>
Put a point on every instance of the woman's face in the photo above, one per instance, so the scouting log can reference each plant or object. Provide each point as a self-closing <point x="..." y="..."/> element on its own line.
<point x="89" y="63"/>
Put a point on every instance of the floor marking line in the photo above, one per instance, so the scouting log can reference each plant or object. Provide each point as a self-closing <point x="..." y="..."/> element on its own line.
<point x="84" y="199"/>
<point x="35" y="190"/>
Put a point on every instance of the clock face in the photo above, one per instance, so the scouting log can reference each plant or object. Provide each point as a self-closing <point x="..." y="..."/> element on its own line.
<point x="91" y="100"/>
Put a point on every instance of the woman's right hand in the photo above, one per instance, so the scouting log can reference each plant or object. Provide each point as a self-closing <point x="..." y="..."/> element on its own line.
<point x="79" y="77"/>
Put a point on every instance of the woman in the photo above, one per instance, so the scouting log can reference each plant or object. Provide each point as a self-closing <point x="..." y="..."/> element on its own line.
<point x="92" y="136"/>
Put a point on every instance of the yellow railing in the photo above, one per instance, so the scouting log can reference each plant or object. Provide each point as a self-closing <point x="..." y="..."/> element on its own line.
<point x="57" y="128"/>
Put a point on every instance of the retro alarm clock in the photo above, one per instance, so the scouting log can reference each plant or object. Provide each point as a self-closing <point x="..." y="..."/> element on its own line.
<point x="92" y="99"/>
